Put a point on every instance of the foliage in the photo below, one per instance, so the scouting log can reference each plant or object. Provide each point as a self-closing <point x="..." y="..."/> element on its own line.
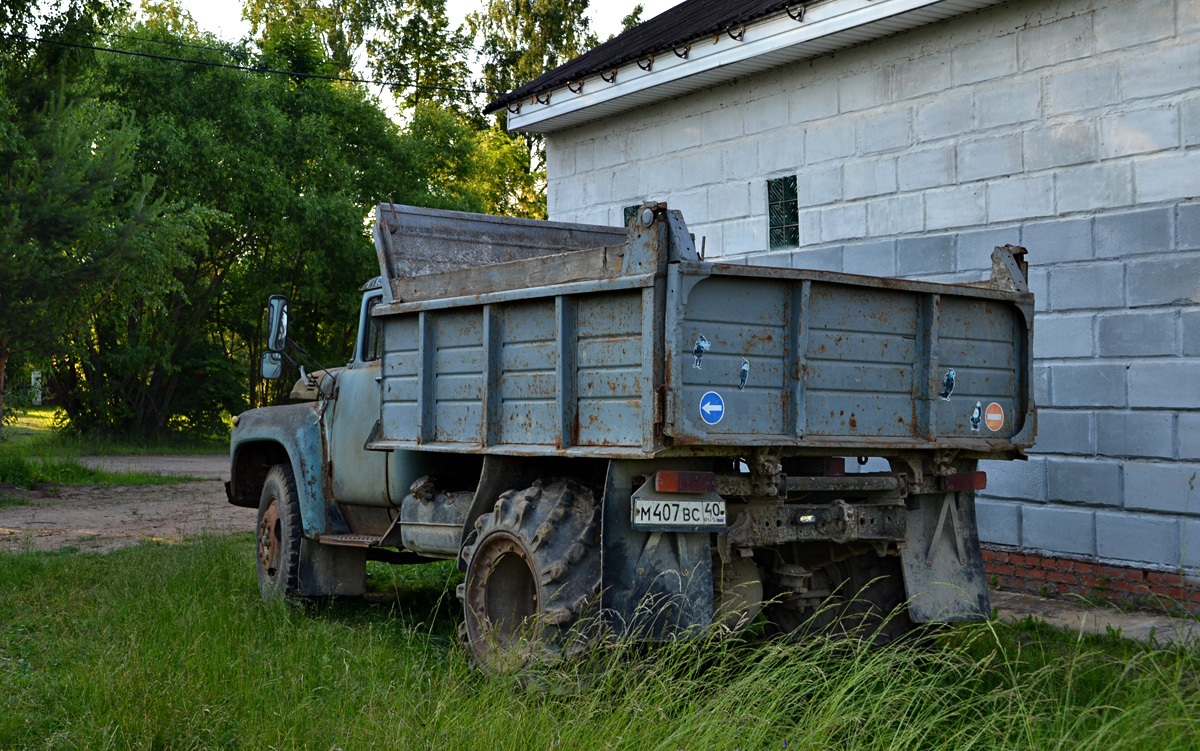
<point x="522" y="39"/>
<point x="171" y="647"/>
<point x="267" y="181"/>
<point x="414" y="44"/>
<point x="405" y="41"/>
<point x="519" y="40"/>
<point x="633" y="17"/>
<point x="71" y="210"/>
<point x="149" y="205"/>
<point x="41" y="433"/>
<point x="340" y="25"/>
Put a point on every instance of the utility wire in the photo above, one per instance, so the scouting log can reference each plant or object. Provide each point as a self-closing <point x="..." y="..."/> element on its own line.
<point x="252" y="69"/>
<point x="227" y="50"/>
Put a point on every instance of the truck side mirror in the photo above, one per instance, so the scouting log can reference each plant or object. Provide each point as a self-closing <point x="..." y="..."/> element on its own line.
<point x="277" y="321"/>
<point x="272" y="365"/>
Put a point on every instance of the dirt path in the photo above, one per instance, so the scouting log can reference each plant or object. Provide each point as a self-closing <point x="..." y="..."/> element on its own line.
<point x="208" y="466"/>
<point x="95" y="518"/>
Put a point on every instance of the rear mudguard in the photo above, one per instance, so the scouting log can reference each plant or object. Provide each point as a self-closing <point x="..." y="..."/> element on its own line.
<point x="656" y="585"/>
<point x="941" y="559"/>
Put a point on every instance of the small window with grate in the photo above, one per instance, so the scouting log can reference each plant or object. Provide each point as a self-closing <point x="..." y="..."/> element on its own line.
<point x="782" y="216"/>
<point x="631" y="212"/>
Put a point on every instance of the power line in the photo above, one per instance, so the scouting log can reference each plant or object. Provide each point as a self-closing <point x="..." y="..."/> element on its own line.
<point x="250" y="68"/>
<point x="227" y="50"/>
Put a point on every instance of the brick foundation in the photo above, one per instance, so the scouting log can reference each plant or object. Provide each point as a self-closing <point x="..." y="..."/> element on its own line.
<point x="1050" y="576"/>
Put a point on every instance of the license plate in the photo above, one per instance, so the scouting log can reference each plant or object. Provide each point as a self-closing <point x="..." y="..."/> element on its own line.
<point x="659" y="514"/>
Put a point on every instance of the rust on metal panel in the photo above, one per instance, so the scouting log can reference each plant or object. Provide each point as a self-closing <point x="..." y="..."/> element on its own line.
<point x="605" y="418"/>
<point x="839" y="521"/>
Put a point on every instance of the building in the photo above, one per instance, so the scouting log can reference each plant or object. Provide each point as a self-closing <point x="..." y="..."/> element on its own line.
<point x="909" y="137"/>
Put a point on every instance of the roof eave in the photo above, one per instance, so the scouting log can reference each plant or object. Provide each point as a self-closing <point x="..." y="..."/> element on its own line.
<point x="767" y="43"/>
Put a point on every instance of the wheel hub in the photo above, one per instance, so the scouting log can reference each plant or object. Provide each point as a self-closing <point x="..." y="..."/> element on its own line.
<point x="502" y="597"/>
<point x="270" y="541"/>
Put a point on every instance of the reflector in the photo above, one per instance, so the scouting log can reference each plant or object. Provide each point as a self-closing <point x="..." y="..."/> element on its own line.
<point x="672" y="481"/>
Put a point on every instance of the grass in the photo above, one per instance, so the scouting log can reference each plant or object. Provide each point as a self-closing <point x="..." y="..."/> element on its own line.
<point x="27" y="473"/>
<point x="34" y="452"/>
<point x="170" y="647"/>
<point x="35" y="434"/>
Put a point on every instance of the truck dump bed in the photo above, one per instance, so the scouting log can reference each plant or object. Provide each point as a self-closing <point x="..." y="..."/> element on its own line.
<point x="623" y="343"/>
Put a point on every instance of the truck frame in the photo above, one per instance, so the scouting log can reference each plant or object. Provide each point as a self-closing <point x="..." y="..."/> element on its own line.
<point x="611" y="435"/>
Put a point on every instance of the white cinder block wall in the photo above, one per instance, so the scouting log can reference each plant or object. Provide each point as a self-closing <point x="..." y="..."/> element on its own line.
<point x="1070" y="127"/>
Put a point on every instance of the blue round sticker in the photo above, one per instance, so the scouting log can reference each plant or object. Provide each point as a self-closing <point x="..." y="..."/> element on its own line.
<point x="712" y="408"/>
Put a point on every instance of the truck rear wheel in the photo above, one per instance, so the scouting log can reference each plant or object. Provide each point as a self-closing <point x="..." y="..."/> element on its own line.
<point x="279" y="534"/>
<point x="867" y="600"/>
<point x="533" y="570"/>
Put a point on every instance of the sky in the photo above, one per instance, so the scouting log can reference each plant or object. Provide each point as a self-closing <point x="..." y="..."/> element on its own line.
<point x="224" y="17"/>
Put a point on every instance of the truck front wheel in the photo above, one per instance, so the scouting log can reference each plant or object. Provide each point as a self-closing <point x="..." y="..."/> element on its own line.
<point x="279" y="535"/>
<point x="533" y="570"/>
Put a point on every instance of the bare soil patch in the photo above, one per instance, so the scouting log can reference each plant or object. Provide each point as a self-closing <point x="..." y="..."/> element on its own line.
<point x="96" y="518"/>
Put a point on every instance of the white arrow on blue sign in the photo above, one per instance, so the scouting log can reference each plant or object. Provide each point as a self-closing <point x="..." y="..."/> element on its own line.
<point x="712" y="408"/>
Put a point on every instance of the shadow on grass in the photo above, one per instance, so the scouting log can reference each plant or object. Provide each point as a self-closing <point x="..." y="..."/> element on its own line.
<point x="39" y="432"/>
<point x="414" y="597"/>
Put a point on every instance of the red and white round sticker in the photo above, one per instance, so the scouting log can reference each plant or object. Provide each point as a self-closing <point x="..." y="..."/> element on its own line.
<point x="993" y="417"/>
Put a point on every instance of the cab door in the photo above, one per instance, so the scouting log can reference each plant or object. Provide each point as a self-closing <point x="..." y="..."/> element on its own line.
<point x="359" y="476"/>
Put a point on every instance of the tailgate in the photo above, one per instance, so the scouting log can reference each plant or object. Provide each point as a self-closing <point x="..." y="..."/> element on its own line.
<point x="786" y="357"/>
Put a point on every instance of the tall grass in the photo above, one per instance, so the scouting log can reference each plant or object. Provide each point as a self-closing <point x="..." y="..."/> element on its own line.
<point x="170" y="647"/>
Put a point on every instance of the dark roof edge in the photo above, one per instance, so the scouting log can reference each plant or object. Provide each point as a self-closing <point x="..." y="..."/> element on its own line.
<point x="685" y="23"/>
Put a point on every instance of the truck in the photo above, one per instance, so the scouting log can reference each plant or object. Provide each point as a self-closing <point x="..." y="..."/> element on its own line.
<point x="616" y="438"/>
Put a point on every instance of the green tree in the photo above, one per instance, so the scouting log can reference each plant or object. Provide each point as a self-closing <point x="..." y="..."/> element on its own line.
<point x="266" y="182"/>
<point x="633" y="18"/>
<point x="408" y="42"/>
<point x="518" y="41"/>
<point x="504" y="180"/>
<point x="149" y="312"/>
<point x="71" y="210"/>
<point x="414" y="44"/>
<point x="268" y="179"/>
<point x="342" y="26"/>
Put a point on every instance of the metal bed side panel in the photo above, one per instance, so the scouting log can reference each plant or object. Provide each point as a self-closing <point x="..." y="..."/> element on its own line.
<point x="559" y="371"/>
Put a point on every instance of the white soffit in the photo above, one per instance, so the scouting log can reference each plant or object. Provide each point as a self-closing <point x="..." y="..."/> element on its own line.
<point x="767" y="43"/>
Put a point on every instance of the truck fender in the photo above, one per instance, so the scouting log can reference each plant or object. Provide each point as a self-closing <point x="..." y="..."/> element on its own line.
<point x="501" y="473"/>
<point x="291" y="433"/>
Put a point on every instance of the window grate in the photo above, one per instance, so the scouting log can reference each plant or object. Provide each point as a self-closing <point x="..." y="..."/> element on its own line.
<point x="782" y="213"/>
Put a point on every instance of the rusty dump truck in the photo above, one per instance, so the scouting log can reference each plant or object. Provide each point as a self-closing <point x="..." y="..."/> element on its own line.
<point x="612" y="436"/>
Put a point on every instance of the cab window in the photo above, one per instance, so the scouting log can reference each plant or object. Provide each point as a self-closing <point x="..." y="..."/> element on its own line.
<point x="372" y="344"/>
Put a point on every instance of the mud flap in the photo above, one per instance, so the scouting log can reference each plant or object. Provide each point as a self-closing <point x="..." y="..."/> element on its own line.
<point x="331" y="570"/>
<point x="657" y="584"/>
<point x="943" y="567"/>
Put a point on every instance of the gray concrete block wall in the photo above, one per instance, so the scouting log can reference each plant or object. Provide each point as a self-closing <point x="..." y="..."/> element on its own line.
<point x="1071" y="127"/>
